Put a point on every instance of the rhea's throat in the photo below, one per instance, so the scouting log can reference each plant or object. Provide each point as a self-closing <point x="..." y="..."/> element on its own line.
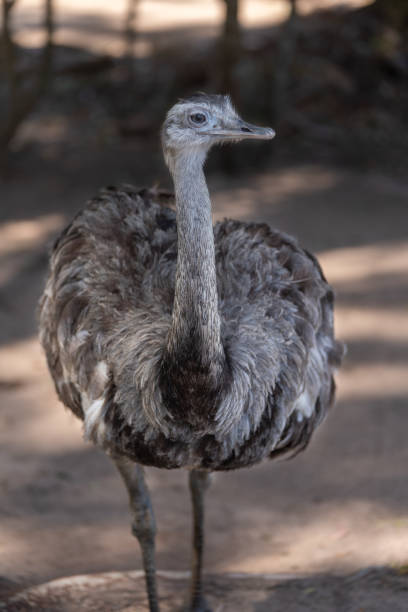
<point x="195" y="328"/>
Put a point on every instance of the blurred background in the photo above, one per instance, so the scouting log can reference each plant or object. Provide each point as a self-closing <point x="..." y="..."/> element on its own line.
<point x="84" y="87"/>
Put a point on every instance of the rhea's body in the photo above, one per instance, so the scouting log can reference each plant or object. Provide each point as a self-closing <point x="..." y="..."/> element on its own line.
<point x="106" y="319"/>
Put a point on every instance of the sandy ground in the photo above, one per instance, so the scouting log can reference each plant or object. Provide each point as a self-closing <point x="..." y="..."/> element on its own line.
<point x="372" y="590"/>
<point x="340" y="507"/>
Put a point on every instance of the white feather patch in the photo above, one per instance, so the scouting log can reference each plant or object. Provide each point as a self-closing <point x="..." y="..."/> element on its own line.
<point x="304" y="405"/>
<point x="101" y="371"/>
<point x="93" y="421"/>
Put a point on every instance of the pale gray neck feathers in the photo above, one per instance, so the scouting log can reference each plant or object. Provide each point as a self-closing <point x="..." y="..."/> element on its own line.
<point x="195" y="316"/>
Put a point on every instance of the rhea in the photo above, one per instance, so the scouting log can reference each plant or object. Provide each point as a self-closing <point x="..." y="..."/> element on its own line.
<point x="183" y="345"/>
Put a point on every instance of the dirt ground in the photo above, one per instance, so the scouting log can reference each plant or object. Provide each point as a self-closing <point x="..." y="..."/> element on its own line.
<point x="374" y="590"/>
<point x="340" y="507"/>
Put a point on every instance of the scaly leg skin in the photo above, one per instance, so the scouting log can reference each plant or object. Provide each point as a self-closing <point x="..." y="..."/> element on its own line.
<point x="199" y="482"/>
<point x="143" y="525"/>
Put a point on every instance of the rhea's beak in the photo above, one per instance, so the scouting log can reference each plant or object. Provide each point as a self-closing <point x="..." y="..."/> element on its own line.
<point x="240" y="130"/>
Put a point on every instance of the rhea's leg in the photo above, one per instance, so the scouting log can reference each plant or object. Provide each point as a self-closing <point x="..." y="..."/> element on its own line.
<point x="143" y="525"/>
<point x="199" y="482"/>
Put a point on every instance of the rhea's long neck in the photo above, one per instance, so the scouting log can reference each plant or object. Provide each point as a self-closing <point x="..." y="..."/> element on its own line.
<point x="195" y="329"/>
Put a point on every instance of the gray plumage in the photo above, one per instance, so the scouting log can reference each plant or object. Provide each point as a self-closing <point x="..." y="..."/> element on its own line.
<point x="180" y="344"/>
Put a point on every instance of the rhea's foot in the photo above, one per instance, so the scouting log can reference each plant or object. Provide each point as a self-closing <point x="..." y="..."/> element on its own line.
<point x="198" y="605"/>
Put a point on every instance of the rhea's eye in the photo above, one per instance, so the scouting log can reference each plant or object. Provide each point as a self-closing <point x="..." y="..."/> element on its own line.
<point x="198" y="118"/>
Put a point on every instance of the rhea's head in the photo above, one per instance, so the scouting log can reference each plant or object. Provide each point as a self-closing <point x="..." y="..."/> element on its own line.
<point x="195" y="124"/>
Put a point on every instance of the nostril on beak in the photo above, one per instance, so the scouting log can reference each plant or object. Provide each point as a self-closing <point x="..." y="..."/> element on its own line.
<point x="245" y="129"/>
